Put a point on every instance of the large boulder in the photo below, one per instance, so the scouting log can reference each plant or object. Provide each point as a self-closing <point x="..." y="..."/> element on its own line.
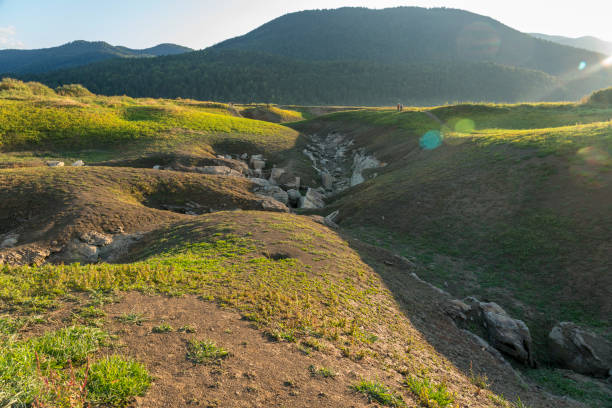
<point x="276" y="174"/>
<point x="580" y="350"/>
<point x="278" y="194"/>
<point x="258" y="164"/>
<point x="312" y="199"/>
<point x="270" y="204"/>
<point x="508" y="335"/>
<point x="118" y="247"/>
<point x="362" y="162"/>
<point x="79" y="251"/>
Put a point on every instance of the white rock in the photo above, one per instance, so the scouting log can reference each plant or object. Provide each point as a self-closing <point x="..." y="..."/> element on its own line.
<point x="276" y="173"/>
<point x="361" y="163"/>
<point x="255" y="157"/>
<point x="260" y="182"/>
<point x="244" y="156"/>
<point x="10" y="241"/>
<point x="258" y="164"/>
<point x="55" y="163"/>
<point x="312" y="199"/>
<point x="96" y="238"/>
<point x="78" y="163"/>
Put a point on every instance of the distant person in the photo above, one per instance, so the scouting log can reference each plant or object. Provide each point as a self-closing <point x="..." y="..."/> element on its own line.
<point x="398" y="107"/>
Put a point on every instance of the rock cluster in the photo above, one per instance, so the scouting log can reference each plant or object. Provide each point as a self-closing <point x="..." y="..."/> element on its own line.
<point x="508" y="335"/>
<point x="338" y="163"/>
<point x="91" y="247"/>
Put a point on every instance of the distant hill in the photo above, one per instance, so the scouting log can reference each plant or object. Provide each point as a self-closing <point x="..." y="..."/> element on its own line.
<point x="74" y="54"/>
<point x="407" y="35"/>
<point x="358" y="56"/>
<point x="242" y="76"/>
<point x="587" y="42"/>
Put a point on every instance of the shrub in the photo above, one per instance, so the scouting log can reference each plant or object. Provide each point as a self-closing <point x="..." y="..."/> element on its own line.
<point x="75" y="90"/>
<point x="602" y="97"/>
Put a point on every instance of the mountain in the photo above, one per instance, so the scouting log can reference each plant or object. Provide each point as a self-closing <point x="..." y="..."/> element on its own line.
<point x="74" y="54"/>
<point x="586" y="42"/>
<point x="407" y="35"/>
<point x="358" y="56"/>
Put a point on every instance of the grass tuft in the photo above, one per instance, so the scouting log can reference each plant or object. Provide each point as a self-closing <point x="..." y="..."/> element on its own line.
<point x="377" y="392"/>
<point x="115" y="380"/>
<point x="429" y="394"/>
<point x="205" y="352"/>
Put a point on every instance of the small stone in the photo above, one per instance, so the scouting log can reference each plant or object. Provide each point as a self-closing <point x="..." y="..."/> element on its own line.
<point x="276" y="173"/>
<point x="78" y="163"/>
<point x="258" y="164"/>
<point x="10" y="241"/>
<point x="55" y="163"/>
<point x="157" y="167"/>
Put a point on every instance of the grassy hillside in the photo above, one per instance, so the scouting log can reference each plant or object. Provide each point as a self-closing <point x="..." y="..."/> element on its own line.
<point x="35" y="118"/>
<point x="510" y="196"/>
<point x="231" y="303"/>
<point x="318" y="297"/>
<point x="74" y="54"/>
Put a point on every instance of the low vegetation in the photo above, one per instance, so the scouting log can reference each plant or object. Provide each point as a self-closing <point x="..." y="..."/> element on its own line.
<point x="430" y="395"/>
<point x="56" y="369"/>
<point x="378" y="392"/>
<point x="205" y="352"/>
<point x="36" y="118"/>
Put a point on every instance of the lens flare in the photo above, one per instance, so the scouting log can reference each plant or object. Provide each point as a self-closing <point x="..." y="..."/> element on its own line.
<point x="607" y="62"/>
<point x="431" y="140"/>
<point x="582" y="65"/>
<point x="465" y="126"/>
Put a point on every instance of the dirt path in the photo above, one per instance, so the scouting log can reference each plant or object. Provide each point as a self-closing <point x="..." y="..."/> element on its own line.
<point x="258" y="373"/>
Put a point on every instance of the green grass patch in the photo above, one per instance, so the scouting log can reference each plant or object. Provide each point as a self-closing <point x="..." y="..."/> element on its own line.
<point x="322" y="372"/>
<point x="585" y="391"/>
<point x="163" y="328"/>
<point x="115" y="380"/>
<point x="132" y="318"/>
<point x="205" y="352"/>
<point x="430" y="395"/>
<point x="378" y="392"/>
<point x="53" y="370"/>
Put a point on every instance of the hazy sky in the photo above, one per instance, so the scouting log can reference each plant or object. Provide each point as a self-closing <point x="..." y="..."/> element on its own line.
<point x="200" y="23"/>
